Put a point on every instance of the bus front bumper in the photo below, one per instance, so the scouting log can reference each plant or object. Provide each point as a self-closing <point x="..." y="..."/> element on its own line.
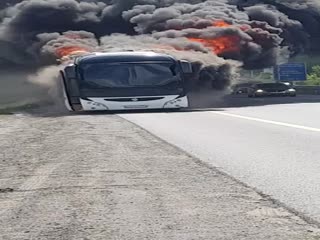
<point x="161" y="102"/>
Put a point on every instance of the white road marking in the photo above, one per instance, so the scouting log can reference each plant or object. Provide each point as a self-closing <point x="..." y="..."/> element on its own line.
<point x="268" y="121"/>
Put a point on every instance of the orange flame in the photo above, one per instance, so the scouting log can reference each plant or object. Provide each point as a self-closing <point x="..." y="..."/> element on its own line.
<point x="220" y="45"/>
<point x="66" y="51"/>
<point x="221" y="23"/>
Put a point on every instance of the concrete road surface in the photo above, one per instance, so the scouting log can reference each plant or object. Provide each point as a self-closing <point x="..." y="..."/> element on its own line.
<point x="101" y="177"/>
<point x="271" y="146"/>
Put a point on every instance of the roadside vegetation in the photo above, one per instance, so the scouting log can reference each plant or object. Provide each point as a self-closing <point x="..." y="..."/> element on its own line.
<point x="314" y="76"/>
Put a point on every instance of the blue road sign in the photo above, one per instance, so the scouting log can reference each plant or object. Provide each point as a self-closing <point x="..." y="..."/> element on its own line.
<point x="290" y="72"/>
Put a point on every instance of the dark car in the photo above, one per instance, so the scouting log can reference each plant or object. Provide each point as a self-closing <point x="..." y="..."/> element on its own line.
<point x="271" y="89"/>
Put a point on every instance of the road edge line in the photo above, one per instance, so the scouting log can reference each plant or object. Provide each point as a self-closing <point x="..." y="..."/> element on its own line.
<point x="290" y="125"/>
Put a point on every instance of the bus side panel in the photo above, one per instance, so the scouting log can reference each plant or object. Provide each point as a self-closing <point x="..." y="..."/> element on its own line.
<point x="66" y="97"/>
<point x="71" y="92"/>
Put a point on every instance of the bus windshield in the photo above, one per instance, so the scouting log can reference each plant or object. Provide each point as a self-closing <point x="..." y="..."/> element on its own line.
<point x="124" y="75"/>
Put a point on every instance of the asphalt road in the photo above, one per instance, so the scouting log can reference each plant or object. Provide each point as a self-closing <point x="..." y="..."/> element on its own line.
<point x="271" y="144"/>
<point x="98" y="176"/>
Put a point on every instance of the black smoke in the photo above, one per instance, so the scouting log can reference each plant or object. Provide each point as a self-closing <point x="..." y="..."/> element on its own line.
<point x="300" y="20"/>
<point x="266" y="30"/>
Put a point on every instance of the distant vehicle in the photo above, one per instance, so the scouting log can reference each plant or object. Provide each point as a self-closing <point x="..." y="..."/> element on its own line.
<point x="271" y="89"/>
<point x="241" y="88"/>
<point x="125" y="81"/>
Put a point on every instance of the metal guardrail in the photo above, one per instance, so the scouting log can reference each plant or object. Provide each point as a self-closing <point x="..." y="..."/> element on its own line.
<point x="309" y="90"/>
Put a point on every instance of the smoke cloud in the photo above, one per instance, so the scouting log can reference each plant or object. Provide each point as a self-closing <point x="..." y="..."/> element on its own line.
<point x="217" y="36"/>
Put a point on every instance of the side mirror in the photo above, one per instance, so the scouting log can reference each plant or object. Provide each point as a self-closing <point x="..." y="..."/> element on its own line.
<point x="186" y="67"/>
<point x="70" y="72"/>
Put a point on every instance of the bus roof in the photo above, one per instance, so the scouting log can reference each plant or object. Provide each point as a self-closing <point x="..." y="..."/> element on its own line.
<point x="124" y="57"/>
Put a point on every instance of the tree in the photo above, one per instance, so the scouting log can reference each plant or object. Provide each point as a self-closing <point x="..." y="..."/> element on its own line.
<point x="314" y="76"/>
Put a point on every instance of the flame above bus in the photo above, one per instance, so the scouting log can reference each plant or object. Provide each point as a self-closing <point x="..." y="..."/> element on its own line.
<point x="221" y="23"/>
<point x="70" y="50"/>
<point x="222" y="44"/>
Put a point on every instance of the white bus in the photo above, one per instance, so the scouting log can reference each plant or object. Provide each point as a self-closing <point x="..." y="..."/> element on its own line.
<point x="124" y="81"/>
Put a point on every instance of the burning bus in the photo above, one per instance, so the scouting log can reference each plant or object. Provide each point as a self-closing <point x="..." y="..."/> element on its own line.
<point x="124" y="81"/>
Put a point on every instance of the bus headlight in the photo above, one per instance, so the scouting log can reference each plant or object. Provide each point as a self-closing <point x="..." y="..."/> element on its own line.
<point x="98" y="106"/>
<point x="177" y="103"/>
<point x="173" y="104"/>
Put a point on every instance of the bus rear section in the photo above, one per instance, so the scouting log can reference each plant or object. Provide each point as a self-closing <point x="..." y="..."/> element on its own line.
<point x="125" y="81"/>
